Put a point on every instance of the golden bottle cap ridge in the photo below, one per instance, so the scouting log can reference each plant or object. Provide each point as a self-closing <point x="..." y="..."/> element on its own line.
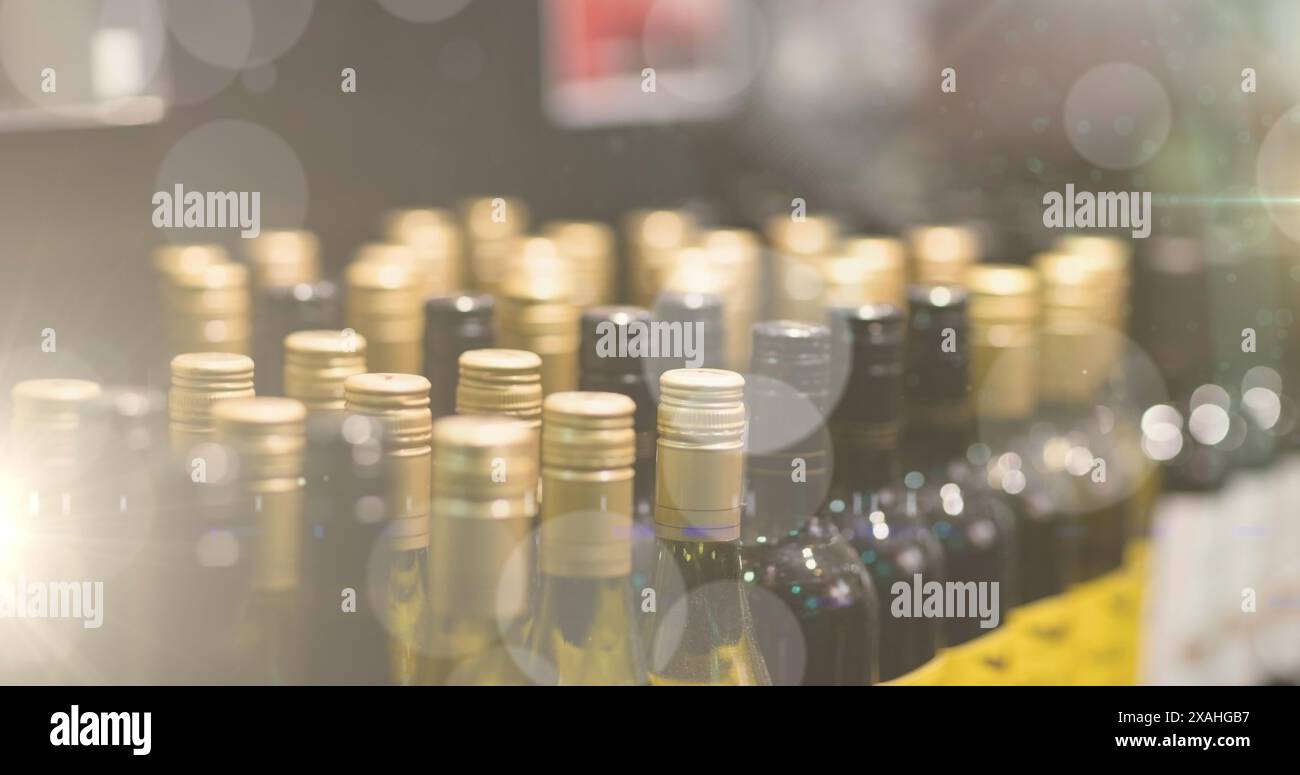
<point x="268" y="437"/>
<point x="401" y="404"/>
<point x="699" y="455"/>
<point x="284" y="258"/>
<point x="484" y="503"/>
<point x="588" y="450"/>
<point x="702" y="405"/>
<point x="942" y="253"/>
<point x="316" y="364"/>
<point x="588" y="430"/>
<point x="500" y="381"/>
<point x="198" y="381"/>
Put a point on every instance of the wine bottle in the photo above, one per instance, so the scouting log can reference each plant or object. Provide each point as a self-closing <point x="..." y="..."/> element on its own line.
<point x="45" y="505"/>
<point x="288" y="295"/>
<point x="866" y="500"/>
<point x="400" y="403"/>
<point x="608" y="366"/>
<point x="584" y="630"/>
<point x="699" y="630"/>
<point x="537" y="313"/>
<point x="1004" y="317"/>
<point x="203" y="577"/>
<point x="788" y="548"/>
<point x="698" y="319"/>
<point x="266" y="438"/>
<point x="124" y="445"/>
<point x="1074" y="443"/>
<point x="453" y="325"/>
<point x="480" y="568"/>
<point x="975" y="529"/>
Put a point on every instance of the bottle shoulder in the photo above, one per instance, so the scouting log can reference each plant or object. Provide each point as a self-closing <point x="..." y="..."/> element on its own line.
<point x="814" y="563"/>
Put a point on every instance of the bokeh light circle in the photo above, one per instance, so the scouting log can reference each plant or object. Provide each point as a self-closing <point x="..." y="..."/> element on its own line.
<point x="1117" y="115"/>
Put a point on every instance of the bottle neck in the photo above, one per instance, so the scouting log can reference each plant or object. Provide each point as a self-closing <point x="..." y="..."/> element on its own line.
<point x="866" y="456"/>
<point x="784" y="489"/>
<point x="936" y="432"/>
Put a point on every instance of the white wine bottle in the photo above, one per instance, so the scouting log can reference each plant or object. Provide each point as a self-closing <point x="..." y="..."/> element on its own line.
<point x="480" y="565"/>
<point x="699" y="631"/>
<point x="584" y="630"/>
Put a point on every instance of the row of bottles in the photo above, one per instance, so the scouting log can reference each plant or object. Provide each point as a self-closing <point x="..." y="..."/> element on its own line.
<point x="503" y="488"/>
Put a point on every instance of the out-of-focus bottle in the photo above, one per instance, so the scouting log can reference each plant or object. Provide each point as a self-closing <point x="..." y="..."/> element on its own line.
<point x="385" y="305"/>
<point x="266" y="437"/>
<point x="536" y="313"/>
<point x="480" y="568"/>
<point x="352" y="554"/>
<point x="318" y="362"/>
<point x="400" y="403"/>
<point x="170" y="260"/>
<point x="123" y="438"/>
<point x="588" y="249"/>
<point x="688" y="331"/>
<point x="975" y="528"/>
<point x="283" y="258"/>
<point x="436" y="238"/>
<point x="492" y="228"/>
<point x="198" y="381"/>
<point x="453" y="325"/>
<point x="609" y="365"/>
<point x="867" y="270"/>
<point x="867" y="499"/>
<point x="210" y="310"/>
<point x="701" y="631"/>
<point x="288" y="295"/>
<point x="1004" y="307"/>
<point x="941" y="254"/>
<point x="653" y="238"/>
<point x="789" y="549"/>
<point x="801" y="248"/>
<point x="737" y="255"/>
<point x="584" y="631"/>
<point x="43" y="509"/>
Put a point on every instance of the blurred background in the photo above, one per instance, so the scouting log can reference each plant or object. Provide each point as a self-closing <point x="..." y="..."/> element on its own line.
<point x="755" y="104"/>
